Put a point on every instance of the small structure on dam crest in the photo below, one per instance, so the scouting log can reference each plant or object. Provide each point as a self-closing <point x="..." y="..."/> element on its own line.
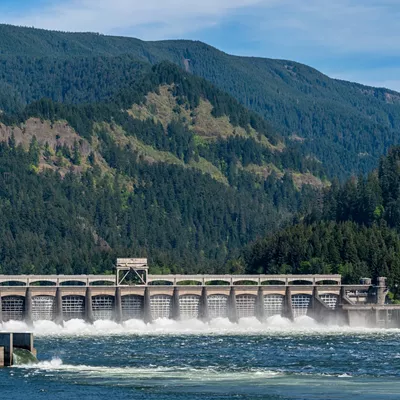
<point x="133" y="293"/>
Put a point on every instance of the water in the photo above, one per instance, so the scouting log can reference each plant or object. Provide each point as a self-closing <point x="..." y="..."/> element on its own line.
<point x="23" y="357"/>
<point x="191" y="360"/>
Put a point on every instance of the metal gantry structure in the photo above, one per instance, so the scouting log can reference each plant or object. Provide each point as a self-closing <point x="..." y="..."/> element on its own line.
<point x="137" y="266"/>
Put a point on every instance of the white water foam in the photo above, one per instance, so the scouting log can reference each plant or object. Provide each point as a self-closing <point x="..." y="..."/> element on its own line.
<point x="219" y="326"/>
<point x="152" y="374"/>
<point x="182" y="373"/>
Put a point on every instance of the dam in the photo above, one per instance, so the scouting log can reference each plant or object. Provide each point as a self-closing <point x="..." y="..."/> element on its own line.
<point x="132" y="293"/>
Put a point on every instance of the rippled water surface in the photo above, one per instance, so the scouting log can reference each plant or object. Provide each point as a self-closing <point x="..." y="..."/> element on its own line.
<point x="192" y="360"/>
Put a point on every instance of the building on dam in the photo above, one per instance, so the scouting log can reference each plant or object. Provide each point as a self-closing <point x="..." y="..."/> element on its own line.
<point x="132" y="293"/>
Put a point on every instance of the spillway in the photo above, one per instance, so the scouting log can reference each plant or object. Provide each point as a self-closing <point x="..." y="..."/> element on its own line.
<point x="73" y="307"/>
<point x="132" y="307"/>
<point x="301" y="303"/>
<point x="43" y="308"/>
<point x="245" y="305"/>
<point x="184" y="297"/>
<point x="13" y="308"/>
<point x="217" y="306"/>
<point x="103" y="307"/>
<point x="273" y="304"/>
<point x="189" y="306"/>
<point x="331" y="300"/>
<point x="160" y="306"/>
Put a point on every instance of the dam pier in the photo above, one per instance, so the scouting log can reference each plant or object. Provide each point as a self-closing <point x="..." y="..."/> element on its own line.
<point x="132" y="293"/>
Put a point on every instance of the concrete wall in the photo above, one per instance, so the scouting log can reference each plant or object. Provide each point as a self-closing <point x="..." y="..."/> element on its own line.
<point x="6" y="343"/>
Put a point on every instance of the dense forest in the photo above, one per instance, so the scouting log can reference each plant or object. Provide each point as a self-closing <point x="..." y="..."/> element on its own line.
<point x="72" y="80"/>
<point x="353" y="230"/>
<point x="142" y="187"/>
<point x="80" y="223"/>
<point x="344" y="125"/>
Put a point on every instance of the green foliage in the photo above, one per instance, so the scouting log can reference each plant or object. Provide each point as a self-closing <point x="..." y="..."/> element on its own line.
<point x="366" y="200"/>
<point x="34" y="152"/>
<point x="344" y="248"/>
<point x="76" y="157"/>
<point x="345" y="125"/>
<point x="68" y="80"/>
<point x="392" y="298"/>
<point x="354" y="232"/>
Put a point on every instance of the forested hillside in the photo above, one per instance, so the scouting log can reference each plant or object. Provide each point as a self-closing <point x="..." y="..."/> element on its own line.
<point x="353" y="230"/>
<point x="169" y="167"/>
<point x="109" y="149"/>
<point x="344" y="125"/>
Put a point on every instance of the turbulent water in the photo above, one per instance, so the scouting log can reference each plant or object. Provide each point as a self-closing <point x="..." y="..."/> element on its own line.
<point x="191" y="360"/>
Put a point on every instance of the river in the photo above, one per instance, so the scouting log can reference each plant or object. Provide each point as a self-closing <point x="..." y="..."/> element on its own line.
<point x="191" y="360"/>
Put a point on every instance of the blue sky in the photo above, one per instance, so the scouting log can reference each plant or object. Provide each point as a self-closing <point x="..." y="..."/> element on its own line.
<point x="357" y="40"/>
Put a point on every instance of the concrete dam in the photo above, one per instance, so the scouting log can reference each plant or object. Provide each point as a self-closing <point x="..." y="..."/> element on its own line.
<point x="132" y="293"/>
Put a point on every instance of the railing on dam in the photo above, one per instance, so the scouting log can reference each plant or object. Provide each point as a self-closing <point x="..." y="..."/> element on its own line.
<point x="233" y="279"/>
<point x="56" y="280"/>
<point x="180" y="280"/>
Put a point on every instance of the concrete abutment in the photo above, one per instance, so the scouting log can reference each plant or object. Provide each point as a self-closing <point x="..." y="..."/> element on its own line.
<point x="9" y="341"/>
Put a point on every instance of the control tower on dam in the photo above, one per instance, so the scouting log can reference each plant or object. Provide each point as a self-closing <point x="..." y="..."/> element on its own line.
<point x="132" y="293"/>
